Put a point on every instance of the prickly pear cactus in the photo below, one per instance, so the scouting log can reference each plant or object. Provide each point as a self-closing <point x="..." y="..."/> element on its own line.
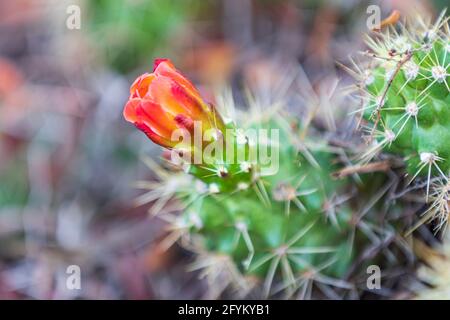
<point x="405" y="99"/>
<point x="273" y="216"/>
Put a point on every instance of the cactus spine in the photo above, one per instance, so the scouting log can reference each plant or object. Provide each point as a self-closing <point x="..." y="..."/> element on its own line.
<point x="290" y="229"/>
<point x="259" y="205"/>
<point x="405" y="103"/>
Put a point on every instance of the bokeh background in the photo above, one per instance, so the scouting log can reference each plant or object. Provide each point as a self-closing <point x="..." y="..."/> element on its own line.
<point x="68" y="160"/>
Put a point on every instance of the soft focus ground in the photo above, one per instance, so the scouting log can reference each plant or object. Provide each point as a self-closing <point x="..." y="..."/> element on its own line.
<point x="68" y="160"/>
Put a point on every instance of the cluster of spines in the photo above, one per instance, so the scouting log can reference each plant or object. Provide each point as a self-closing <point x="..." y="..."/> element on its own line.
<point x="316" y="220"/>
<point x="403" y="93"/>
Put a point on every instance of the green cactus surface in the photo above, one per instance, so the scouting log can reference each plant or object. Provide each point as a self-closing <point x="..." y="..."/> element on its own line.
<point x="281" y="227"/>
<point x="407" y="101"/>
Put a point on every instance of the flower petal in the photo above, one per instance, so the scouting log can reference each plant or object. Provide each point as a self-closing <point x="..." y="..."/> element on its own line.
<point x="167" y="69"/>
<point x="129" y="112"/>
<point x="164" y="101"/>
<point x="140" y="86"/>
<point x="158" y="61"/>
<point x="160" y="92"/>
<point x="152" y="114"/>
<point x="184" y="122"/>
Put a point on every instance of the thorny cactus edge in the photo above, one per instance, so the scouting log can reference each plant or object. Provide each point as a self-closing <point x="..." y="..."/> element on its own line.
<point x="296" y="230"/>
<point x="435" y="275"/>
<point x="403" y="97"/>
<point x="164" y="100"/>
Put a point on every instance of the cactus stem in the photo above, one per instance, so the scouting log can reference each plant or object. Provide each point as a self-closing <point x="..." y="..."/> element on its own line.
<point x="411" y="110"/>
<point x="407" y="57"/>
<point x="283" y="254"/>
<point x="429" y="159"/>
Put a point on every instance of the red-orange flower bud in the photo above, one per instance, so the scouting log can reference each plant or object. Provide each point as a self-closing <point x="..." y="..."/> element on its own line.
<point x="163" y="101"/>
